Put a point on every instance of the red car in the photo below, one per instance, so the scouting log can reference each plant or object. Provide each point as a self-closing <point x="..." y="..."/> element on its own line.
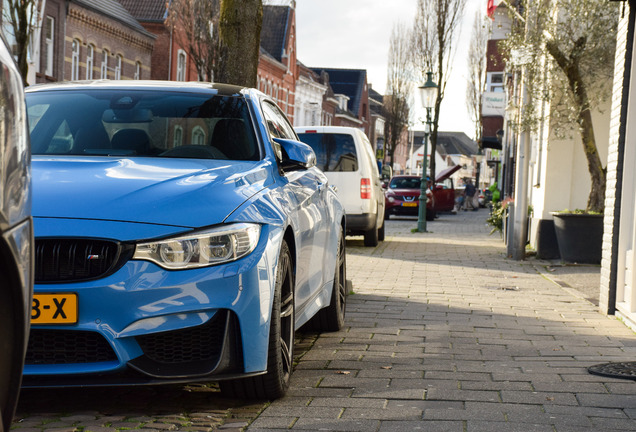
<point x="402" y="197"/>
<point x="403" y="191"/>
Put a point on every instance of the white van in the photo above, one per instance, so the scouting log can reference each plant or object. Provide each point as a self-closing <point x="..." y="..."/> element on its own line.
<point x="347" y="158"/>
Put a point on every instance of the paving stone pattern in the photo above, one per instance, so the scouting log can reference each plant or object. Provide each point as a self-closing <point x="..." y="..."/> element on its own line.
<point x="444" y="333"/>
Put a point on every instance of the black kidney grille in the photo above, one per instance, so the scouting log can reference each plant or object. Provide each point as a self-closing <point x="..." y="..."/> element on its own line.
<point x="66" y="260"/>
<point x="203" y="342"/>
<point x="66" y="347"/>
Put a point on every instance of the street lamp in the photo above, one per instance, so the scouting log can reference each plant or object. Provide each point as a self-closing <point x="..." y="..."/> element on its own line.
<point x="428" y="95"/>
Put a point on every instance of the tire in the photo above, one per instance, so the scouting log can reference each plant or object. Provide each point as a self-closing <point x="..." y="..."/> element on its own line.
<point x="430" y="215"/>
<point x="381" y="232"/>
<point x="275" y="382"/>
<point x="332" y="317"/>
<point x="371" y="236"/>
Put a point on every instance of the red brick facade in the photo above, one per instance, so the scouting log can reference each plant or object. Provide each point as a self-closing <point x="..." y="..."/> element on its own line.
<point x="120" y="44"/>
<point x="278" y="78"/>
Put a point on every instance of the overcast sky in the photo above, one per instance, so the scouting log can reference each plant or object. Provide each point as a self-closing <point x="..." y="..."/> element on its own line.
<point x="355" y="34"/>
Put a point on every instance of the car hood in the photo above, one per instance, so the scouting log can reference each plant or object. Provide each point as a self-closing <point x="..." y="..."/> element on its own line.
<point x="178" y="192"/>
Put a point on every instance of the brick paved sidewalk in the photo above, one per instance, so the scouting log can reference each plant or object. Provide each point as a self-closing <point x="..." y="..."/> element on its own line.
<point x="444" y="333"/>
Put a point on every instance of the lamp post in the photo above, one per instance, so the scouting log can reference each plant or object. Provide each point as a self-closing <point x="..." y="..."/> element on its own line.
<point x="428" y="95"/>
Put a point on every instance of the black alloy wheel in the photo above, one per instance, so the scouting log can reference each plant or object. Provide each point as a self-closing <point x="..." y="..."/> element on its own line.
<point x="275" y="382"/>
<point x="332" y="317"/>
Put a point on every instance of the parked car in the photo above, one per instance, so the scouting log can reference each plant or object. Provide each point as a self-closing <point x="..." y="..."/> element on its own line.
<point x="183" y="234"/>
<point x="346" y="157"/>
<point x="402" y="197"/>
<point x="16" y="236"/>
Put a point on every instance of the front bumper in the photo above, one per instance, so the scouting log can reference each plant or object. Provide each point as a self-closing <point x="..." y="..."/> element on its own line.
<point x="145" y="325"/>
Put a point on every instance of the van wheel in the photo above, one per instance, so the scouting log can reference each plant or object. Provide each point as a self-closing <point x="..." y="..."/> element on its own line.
<point x="381" y="232"/>
<point x="371" y="236"/>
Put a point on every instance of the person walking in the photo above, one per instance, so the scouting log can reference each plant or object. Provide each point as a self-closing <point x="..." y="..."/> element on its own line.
<point x="469" y="194"/>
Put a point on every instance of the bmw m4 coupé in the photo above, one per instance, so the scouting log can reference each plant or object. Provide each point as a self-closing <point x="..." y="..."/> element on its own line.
<point x="182" y="233"/>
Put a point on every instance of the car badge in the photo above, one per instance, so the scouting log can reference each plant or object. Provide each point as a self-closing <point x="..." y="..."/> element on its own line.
<point x="93" y="257"/>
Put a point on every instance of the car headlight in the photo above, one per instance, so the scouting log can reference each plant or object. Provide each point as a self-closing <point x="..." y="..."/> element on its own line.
<point x="203" y="248"/>
<point x="391" y="198"/>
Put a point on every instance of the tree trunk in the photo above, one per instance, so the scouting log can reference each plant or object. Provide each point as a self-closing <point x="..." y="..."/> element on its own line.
<point x="240" y="31"/>
<point x="571" y="68"/>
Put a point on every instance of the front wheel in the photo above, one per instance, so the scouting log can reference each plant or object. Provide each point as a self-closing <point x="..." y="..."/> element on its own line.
<point x="275" y="382"/>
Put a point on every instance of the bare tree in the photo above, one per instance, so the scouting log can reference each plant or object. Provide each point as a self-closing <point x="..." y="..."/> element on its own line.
<point x="196" y="25"/>
<point x="436" y="26"/>
<point x="477" y="70"/>
<point x="18" y="22"/>
<point x="240" y="35"/>
<point x="579" y="36"/>
<point x="398" y="89"/>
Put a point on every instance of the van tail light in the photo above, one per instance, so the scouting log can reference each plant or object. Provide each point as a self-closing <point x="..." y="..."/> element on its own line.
<point x="365" y="188"/>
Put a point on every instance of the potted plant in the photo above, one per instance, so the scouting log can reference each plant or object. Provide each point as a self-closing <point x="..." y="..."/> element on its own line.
<point x="579" y="235"/>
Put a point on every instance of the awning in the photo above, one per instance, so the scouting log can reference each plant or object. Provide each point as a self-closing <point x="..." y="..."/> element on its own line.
<point x="491" y="142"/>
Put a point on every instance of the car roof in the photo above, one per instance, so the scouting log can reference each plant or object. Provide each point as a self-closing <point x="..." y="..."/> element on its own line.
<point x="195" y="87"/>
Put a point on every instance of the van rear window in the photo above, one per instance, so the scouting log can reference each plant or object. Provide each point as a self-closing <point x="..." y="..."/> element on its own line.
<point x="334" y="152"/>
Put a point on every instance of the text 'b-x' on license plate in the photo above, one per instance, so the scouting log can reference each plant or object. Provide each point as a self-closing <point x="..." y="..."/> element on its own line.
<point x="59" y="308"/>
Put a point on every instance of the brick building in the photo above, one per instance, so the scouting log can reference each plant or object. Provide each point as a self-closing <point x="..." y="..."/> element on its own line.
<point x="277" y="67"/>
<point x="170" y="61"/>
<point x="92" y="39"/>
<point x="351" y="90"/>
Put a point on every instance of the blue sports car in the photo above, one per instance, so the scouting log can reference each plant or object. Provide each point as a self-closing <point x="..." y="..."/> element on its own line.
<point x="182" y="233"/>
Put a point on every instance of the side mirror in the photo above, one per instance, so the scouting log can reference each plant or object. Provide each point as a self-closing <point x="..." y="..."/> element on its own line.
<point x="296" y="155"/>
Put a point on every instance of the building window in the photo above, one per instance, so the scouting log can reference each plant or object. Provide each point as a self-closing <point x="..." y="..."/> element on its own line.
<point x="48" y="45"/>
<point x="104" y="68"/>
<point x="178" y="136"/>
<point x="495" y="82"/>
<point x="198" y="136"/>
<point x="75" y="52"/>
<point x="138" y="70"/>
<point x="90" y="60"/>
<point x="118" y="67"/>
<point x="181" y="65"/>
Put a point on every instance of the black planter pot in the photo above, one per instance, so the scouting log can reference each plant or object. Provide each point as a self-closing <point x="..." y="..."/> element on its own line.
<point x="579" y="237"/>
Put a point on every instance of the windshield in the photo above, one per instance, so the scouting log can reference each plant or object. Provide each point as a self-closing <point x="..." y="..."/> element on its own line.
<point x="405" y="183"/>
<point x="141" y="123"/>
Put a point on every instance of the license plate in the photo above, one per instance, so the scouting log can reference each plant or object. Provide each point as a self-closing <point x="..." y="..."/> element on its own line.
<point x="59" y="308"/>
<point x="409" y="204"/>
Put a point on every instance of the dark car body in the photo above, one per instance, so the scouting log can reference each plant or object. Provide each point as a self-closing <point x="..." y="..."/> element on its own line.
<point x="16" y="236"/>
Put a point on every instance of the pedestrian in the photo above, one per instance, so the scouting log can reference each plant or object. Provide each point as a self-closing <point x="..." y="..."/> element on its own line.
<point x="469" y="194"/>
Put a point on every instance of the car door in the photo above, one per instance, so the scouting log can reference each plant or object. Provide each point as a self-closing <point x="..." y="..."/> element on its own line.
<point x="310" y="217"/>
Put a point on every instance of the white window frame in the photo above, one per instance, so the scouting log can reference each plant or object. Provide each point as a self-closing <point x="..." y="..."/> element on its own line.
<point x="90" y="61"/>
<point x="137" y="70"/>
<point x="75" y="53"/>
<point x="182" y="65"/>
<point x="495" y="86"/>
<point x="177" y="139"/>
<point x="198" y="132"/>
<point x="49" y="41"/>
<point x="104" y="68"/>
<point x="118" y="67"/>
